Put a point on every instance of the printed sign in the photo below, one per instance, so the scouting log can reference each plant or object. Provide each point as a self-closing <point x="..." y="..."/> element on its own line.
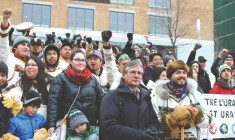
<point x="222" y="109"/>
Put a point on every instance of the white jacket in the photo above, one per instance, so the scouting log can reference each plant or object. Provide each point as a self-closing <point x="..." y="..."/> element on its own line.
<point x="8" y="57"/>
<point x="161" y="97"/>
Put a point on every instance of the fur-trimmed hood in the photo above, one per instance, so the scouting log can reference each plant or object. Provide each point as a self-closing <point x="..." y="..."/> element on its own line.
<point x="162" y="90"/>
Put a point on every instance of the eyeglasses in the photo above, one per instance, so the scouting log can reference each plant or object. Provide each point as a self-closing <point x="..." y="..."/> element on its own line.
<point x="132" y="73"/>
<point x="33" y="65"/>
<point x="79" y="60"/>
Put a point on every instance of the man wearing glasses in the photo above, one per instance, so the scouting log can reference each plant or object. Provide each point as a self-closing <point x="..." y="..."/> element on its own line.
<point x="127" y="112"/>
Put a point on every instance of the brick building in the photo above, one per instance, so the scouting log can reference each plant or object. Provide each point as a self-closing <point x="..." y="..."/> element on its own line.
<point x="90" y="17"/>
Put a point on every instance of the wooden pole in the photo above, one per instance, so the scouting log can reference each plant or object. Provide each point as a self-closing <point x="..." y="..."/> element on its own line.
<point x="182" y="133"/>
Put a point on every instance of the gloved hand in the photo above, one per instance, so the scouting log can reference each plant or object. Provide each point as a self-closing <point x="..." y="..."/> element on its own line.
<point x="130" y="36"/>
<point x="106" y="35"/>
<point x="169" y="126"/>
<point x="89" y="40"/>
<point x="148" y="134"/>
<point x="9" y="136"/>
<point x="19" y="68"/>
<point x="16" y="108"/>
<point x="89" y="48"/>
<point x="196" y="47"/>
<point x="199" y="117"/>
<point x="8" y="101"/>
<point x="41" y="134"/>
<point x="185" y="115"/>
<point x="181" y="113"/>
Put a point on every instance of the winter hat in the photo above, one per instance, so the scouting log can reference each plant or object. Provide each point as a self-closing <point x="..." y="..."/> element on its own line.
<point x="166" y="60"/>
<point x="76" y="117"/>
<point x="173" y="67"/>
<point x="153" y="48"/>
<point x="31" y="98"/>
<point x="36" y="42"/>
<point x="124" y="58"/>
<point x="158" y="71"/>
<point x="201" y="58"/>
<point x="222" y="67"/>
<point x="94" y="53"/>
<point x="19" y="40"/>
<point x="3" y="68"/>
<point x="227" y="56"/>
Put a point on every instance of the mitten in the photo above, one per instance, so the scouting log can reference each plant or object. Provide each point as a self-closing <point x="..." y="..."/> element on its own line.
<point x="180" y="113"/>
<point x="148" y="134"/>
<point x="89" y="40"/>
<point x="130" y="36"/>
<point x="41" y="134"/>
<point x="199" y="117"/>
<point x="106" y="35"/>
<point x="18" y="68"/>
<point x="89" y="48"/>
<point x="16" y="108"/>
<point x="9" y="136"/>
<point x="8" y="101"/>
<point x="169" y="126"/>
<point x="197" y="46"/>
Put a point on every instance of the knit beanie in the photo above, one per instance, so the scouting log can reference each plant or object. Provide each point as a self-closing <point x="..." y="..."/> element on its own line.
<point x="124" y="58"/>
<point x="227" y="56"/>
<point x="158" y="71"/>
<point x="173" y="67"/>
<point x="3" y="68"/>
<point x="19" y="40"/>
<point x="222" y="67"/>
<point x="167" y="59"/>
<point x="76" y="117"/>
<point x="31" y="98"/>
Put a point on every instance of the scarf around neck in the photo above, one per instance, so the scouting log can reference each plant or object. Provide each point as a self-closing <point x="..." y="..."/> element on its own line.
<point x="21" y="58"/>
<point x="78" y="78"/>
<point x="177" y="90"/>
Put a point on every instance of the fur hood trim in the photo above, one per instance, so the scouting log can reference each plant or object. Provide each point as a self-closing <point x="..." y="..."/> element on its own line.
<point x="164" y="93"/>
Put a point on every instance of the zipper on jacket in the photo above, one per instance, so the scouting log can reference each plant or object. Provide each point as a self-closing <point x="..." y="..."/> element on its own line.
<point x="31" y="124"/>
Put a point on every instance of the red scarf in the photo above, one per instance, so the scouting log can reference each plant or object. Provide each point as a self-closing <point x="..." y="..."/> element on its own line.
<point x="78" y="78"/>
<point x="21" y="58"/>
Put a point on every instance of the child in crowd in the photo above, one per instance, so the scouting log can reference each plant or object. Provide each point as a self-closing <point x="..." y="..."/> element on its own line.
<point x="26" y="124"/>
<point x="81" y="130"/>
<point x="5" y="113"/>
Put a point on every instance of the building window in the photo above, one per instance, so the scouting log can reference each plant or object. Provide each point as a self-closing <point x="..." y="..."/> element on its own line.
<point x="39" y="15"/>
<point x="80" y="19"/>
<point x="166" y="4"/>
<point x="130" y="2"/>
<point x="121" y="22"/>
<point x="158" y="25"/>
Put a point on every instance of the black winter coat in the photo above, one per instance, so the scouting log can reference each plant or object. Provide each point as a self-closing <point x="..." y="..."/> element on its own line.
<point x="5" y="115"/>
<point x="126" y="121"/>
<point x="63" y="92"/>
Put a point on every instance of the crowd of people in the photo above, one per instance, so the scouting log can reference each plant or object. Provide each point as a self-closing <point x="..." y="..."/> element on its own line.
<point x="102" y="92"/>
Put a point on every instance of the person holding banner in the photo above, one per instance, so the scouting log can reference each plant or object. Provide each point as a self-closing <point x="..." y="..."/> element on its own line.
<point x="180" y="107"/>
<point x="225" y="84"/>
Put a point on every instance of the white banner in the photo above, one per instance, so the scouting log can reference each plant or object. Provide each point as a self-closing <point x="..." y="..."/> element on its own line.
<point x="222" y="109"/>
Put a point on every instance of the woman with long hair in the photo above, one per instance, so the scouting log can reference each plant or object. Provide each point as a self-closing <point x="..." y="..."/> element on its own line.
<point x="33" y="78"/>
<point x="74" y="88"/>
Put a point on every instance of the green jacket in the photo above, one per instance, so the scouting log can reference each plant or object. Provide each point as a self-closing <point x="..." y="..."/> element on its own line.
<point x="92" y="134"/>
